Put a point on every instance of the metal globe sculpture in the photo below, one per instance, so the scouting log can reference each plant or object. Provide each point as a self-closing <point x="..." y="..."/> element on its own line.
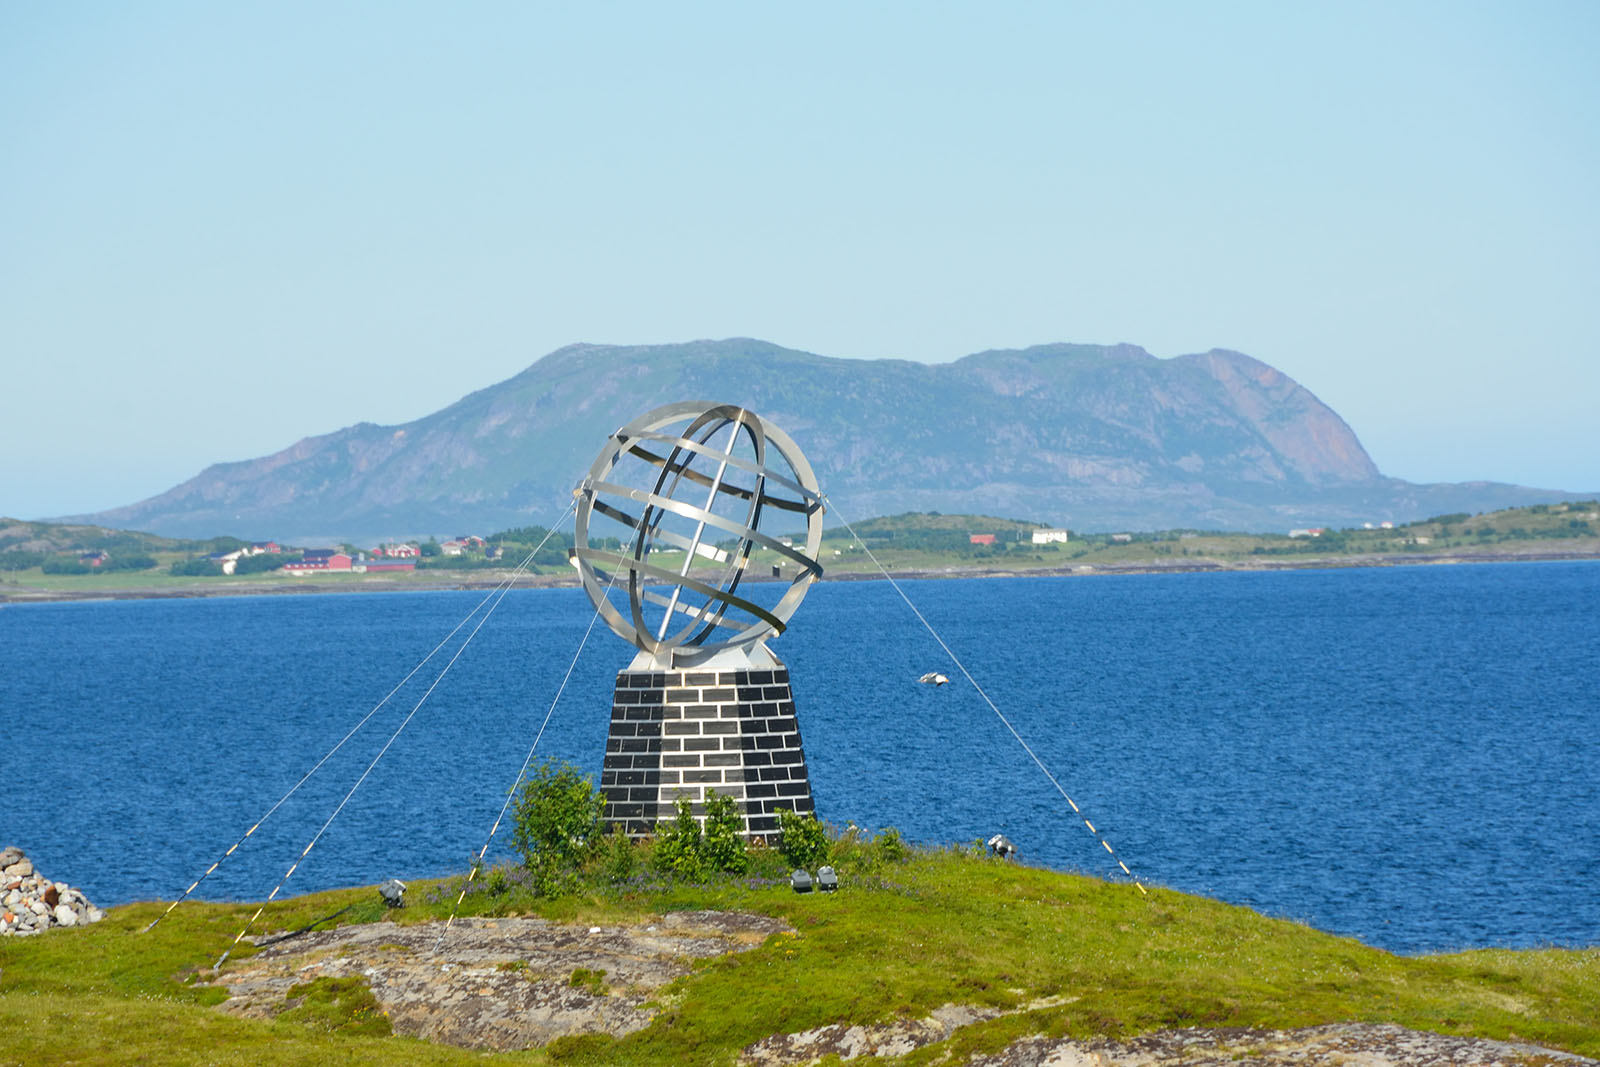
<point x="667" y="521"/>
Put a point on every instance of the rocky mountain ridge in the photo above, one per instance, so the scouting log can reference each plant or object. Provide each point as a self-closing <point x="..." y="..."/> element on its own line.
<point x="1087" y="436"/>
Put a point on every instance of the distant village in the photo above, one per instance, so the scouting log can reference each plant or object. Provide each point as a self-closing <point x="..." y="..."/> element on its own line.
<point x="1061" y="537"/>
<point x="388" y="557"/>
<point x="1040" y="537"/>
<point x="471" y="551"/>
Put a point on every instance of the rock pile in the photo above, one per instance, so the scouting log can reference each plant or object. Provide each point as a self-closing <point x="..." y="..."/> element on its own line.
<point x="30" y="903"/>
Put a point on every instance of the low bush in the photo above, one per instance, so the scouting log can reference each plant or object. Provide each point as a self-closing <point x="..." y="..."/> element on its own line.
<point x="678" y="844"/>
<point x="722" y="842"/>
<point x="196" y="568"/>
<point x="802" y="839"/>
<point x="556" y="825"/>
<point x="618" y="857"/>
<point x="684" y="848"/>
<point x="257" y="564"/>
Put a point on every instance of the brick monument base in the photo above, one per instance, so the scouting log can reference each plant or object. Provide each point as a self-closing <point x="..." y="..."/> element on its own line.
<point x="681" y="732"/>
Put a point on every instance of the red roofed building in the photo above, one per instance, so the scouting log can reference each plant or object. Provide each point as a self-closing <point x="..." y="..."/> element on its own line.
<point x="318" y="559"/>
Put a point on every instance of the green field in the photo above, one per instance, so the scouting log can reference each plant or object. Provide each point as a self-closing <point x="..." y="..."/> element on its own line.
<point x="1063" y="954"/>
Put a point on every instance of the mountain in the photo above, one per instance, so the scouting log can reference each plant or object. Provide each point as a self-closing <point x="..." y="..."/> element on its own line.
<point x="1088" y="436"/>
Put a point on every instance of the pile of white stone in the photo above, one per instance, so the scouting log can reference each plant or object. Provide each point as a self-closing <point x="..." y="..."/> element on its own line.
<point x="30" y="903"/>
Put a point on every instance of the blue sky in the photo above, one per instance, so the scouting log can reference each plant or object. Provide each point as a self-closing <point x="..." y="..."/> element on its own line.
<point x="227" y="226"/>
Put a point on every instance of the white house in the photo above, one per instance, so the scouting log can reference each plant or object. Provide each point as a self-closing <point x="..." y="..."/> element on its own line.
<point x="1050" y="537"/>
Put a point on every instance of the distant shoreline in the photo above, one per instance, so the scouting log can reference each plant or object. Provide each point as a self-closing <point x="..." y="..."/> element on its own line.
<point x="1193" y="565"/>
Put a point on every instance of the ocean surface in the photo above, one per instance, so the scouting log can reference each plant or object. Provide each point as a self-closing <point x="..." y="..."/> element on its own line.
<point x="1408" y="755"/>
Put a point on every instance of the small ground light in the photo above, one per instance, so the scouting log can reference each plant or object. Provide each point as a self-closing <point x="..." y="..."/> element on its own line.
<point x="1001" y="846"/>
<point x="827" y="881"/>
<point x="393" y="893"/>
<point x="801" y="881"/>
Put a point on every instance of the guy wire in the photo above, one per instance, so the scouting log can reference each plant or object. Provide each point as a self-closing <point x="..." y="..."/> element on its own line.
<point x="340" y="744"/>
<point x="992" y="706"/>
<point x="523" y="772"/>
<point x="497" y="595"/>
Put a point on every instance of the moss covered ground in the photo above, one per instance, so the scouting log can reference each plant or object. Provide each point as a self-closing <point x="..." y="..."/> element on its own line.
<point x="904" y="935"/>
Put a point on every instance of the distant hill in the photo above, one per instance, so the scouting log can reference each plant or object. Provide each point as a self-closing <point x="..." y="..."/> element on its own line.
<point x="54" y="538"/>
<point x="1092" y="437"/>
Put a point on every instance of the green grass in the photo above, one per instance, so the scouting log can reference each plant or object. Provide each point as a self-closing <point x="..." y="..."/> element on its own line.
<point x="898" y="940"/>
<point x="336" y="1006"/>
<point x="20" y="585"/>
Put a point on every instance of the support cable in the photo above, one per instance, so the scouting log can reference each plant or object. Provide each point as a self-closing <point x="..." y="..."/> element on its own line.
<point x="992" y="706"/>
<point x="496" y="596"/>
<point x="341" y="742"/>
<point x="522" y="772"/>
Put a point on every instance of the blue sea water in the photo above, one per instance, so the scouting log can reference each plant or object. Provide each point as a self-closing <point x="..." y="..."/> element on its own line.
<point x="1410" y="756"/>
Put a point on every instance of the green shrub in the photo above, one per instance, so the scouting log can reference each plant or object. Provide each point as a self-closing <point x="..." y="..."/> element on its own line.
<point x="687" y="850"/>
<point x="619" y="858"/>
<point x="196" y="568"/>
<point x="890" y="847"/>
<point x="801" y="839"/>
<point x="257" y="564"/>
<point x="722" y="845"/>
<point x="138" y="561"/>
<point x="497" y="882"/>
<point x="678" y="843"/>
<point x="556" y="824"/>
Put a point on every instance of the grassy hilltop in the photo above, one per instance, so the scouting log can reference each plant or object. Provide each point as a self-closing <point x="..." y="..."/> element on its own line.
<point x="1057" y="954"/>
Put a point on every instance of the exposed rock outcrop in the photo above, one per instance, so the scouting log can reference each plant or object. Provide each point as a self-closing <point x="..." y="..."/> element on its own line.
<point x="497" y="983"/>
<point x="30" y="903"/>
<point x="854" y="1042"/>
<point x="1337" y="1045"/>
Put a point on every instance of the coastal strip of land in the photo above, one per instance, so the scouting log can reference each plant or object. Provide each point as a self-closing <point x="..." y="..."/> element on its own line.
<point x="42" y="562"/>
<point x="485" y="580"/>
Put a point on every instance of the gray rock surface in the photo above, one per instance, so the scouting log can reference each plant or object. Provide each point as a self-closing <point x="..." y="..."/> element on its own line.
<point x="30" y="903"/>
<point x="1337" y="1045"/>
<point x="854" y="1042"/>
<point x="496" y="983"/>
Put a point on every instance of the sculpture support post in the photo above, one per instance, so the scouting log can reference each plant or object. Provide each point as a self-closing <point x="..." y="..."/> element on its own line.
<point x="681" y="733"/>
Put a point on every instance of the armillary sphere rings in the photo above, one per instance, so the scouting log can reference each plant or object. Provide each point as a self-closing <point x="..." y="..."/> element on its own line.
<point x="671" y="511"/>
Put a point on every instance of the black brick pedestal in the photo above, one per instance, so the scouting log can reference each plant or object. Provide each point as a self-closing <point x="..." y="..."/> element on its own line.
<point x="683" y="732"/>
